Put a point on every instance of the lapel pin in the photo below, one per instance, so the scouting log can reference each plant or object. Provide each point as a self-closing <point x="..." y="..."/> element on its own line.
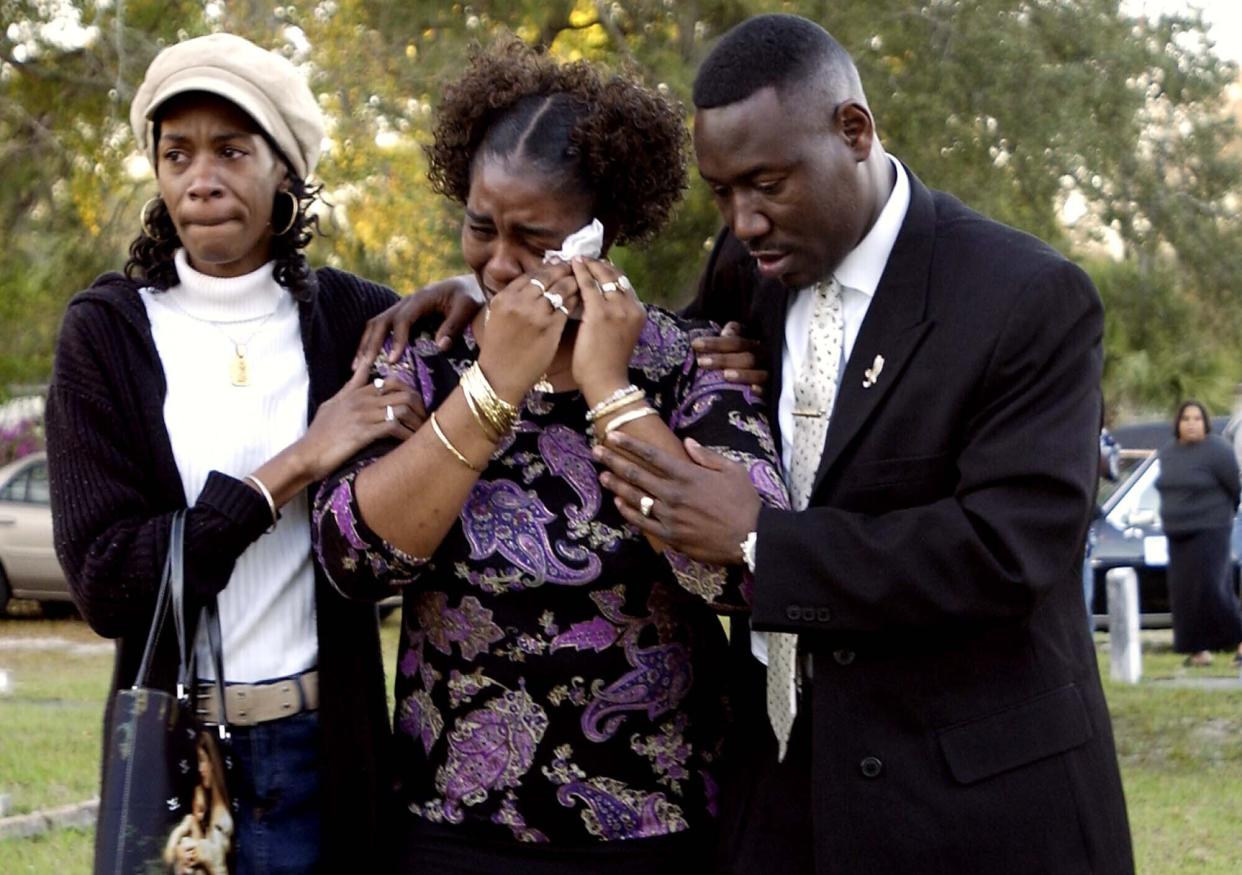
<point x="872" y="375"/>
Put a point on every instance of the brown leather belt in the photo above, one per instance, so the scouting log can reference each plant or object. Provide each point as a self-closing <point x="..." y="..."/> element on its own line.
<point x="249" y="704"/>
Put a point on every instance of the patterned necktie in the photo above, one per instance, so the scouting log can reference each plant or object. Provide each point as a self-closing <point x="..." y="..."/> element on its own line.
<point x="815" y="390"/>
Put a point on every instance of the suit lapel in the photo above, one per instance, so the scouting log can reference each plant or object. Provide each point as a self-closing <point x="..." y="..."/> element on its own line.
<point x="893" y="328"/>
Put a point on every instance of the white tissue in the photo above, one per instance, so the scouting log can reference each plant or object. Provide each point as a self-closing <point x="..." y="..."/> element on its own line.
<point x="587" y="242"/>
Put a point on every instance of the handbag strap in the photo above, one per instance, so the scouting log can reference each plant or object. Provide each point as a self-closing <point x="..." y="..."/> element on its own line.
<point x="208" y="625"/>
<point x="171" y="561"/>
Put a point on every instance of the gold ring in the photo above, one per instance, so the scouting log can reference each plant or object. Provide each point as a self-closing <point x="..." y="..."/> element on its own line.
<point x="645" y="505"/>
<point x="539" y="285"/>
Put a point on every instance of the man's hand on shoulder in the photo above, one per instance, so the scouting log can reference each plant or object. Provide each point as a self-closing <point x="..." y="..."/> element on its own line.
<point x="703" y="508"/>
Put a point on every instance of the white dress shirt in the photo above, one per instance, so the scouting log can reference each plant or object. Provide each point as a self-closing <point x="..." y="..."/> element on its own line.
<point x="859" y="275"/>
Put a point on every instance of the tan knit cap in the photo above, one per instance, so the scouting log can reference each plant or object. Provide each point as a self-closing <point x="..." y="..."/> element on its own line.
<point x="263" y="84"/>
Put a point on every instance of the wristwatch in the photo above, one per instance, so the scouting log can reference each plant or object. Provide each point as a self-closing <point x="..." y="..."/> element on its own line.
<point x="748" y="550"/>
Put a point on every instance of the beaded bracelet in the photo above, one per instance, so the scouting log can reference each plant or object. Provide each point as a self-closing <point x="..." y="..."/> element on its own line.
<point x="448" y="445"/>
<point x="618" y="399"/>
<point x="267" y="496"/>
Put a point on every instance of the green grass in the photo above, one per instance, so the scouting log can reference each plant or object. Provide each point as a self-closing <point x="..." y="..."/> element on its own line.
<point x="50" y="724"/>
<point x="1180" y="749"/>
<point x="1179" y="740"/>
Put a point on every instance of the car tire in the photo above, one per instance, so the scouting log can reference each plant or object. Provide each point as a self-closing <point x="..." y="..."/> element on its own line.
<point x="56" y="610"/>
<point x="5" y="593"/>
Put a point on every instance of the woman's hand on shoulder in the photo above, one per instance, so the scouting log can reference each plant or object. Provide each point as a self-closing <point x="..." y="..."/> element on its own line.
<point x="612" y="321"/>
<point x="457" y="298"/>
<point x="362" y="412"/>
<point x="735" y="355"/>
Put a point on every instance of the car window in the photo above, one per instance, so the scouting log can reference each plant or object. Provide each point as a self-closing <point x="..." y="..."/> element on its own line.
<point x="39" y="491"/>
<point x="15" y="489"/>
<point x="1149" y="498"/>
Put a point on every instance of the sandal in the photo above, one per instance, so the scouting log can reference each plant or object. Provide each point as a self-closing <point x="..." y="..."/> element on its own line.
<point x="1199" y="660"/>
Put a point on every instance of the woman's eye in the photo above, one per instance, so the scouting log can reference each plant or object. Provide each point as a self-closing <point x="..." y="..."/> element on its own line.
<point x="231" y="152"/>
<point x="482" y="230"/>
<point x="173" y="156"/>
<point x="768" y="186"/>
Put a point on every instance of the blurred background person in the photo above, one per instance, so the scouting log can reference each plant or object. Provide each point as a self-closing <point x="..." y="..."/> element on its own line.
<point x="1199" y="489"/>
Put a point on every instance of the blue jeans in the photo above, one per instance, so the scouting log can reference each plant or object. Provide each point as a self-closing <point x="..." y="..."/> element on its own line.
<point x="278" y="800"/>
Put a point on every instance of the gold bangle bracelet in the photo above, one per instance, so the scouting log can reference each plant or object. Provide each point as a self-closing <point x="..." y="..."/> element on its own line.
<point x="629" y="416"/>
<point x="615" y="401"/>
<point x="267" y="496"/>
<point x="448" y="445"/>
<point x="602" y="410"/>
<point x="484" y="425"/>
<point x="498" y="413"/>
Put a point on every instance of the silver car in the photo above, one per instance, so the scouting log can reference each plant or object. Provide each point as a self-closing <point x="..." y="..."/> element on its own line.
<point x="28" y="566"/>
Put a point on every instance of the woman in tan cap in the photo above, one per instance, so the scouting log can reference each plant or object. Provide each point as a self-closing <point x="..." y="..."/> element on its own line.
<point x="214" y="375"/>
<point x="559" y="706"/>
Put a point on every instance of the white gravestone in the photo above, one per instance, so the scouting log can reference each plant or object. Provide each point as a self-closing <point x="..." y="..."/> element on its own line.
<point x="1125" y="652"/>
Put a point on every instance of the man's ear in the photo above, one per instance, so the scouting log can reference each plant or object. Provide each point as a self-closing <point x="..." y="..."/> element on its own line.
<point x="856" y="127"/>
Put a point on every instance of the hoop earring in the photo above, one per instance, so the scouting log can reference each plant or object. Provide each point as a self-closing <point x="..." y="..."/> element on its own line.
<point x="293" y="214"/>
<point x="146" y="221"/>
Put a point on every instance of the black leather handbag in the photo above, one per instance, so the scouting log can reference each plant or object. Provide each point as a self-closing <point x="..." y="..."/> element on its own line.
<point x="165" y="805"/>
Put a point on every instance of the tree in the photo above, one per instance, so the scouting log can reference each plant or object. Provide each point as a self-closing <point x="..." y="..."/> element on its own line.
<point x="1013" y="105"/>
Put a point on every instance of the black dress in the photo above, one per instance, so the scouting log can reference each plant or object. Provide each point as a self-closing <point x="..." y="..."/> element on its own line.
<point x="1198" y="487"/>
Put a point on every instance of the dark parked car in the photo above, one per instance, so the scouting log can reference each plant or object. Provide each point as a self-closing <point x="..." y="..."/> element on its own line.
<point x="1128" y="534"/>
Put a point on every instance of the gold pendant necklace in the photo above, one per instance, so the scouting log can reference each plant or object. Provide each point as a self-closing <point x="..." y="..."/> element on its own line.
<point x="239" y="368"/>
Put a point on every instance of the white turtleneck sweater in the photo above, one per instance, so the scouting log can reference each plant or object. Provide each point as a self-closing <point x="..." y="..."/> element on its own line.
<point x="267" y="610"/>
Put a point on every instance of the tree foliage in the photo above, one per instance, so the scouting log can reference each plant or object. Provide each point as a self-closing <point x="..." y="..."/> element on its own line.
<point x="1017" y="106"/>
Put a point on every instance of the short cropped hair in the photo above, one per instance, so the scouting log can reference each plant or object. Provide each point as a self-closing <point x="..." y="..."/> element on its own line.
<point x="780" y="51"/>
<point x="608" y="134"/>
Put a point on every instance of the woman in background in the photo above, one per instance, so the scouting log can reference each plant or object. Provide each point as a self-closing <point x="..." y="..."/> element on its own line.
<point x="1199" y="488"/>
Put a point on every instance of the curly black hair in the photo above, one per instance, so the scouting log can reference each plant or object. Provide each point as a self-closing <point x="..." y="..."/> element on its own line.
<point x="151" y="257"/>
<point x="624" y="143"/>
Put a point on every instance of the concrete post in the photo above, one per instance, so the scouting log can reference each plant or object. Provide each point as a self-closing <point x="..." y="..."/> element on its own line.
<point x="1125" y="652"/>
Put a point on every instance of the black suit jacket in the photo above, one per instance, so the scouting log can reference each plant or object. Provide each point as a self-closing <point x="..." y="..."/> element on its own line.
<point x="958" y="722"/>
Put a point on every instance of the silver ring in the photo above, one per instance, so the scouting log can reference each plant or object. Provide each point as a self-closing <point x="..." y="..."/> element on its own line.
<point x="389" y="416"/>
<point x="539" y="285"/>
<point x="557" y="302"/>
<point x="608" y="287"/>
<point x="624" y="282"/>
<point x="378" y="383"/>
<point x="645" y="505"/>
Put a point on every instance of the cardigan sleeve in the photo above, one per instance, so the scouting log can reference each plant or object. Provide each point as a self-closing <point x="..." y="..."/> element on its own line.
<point x="110" y="520"/>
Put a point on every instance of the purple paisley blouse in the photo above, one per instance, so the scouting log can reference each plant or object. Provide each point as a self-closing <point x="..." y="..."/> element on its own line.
<point x="557" y="679"/>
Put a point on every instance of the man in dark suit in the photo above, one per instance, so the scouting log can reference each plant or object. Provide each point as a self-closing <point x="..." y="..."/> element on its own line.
<point x="941" y="709"/>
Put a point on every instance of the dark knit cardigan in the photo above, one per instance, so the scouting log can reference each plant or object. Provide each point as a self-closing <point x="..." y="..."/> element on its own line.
<point x="115" y="486"/>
